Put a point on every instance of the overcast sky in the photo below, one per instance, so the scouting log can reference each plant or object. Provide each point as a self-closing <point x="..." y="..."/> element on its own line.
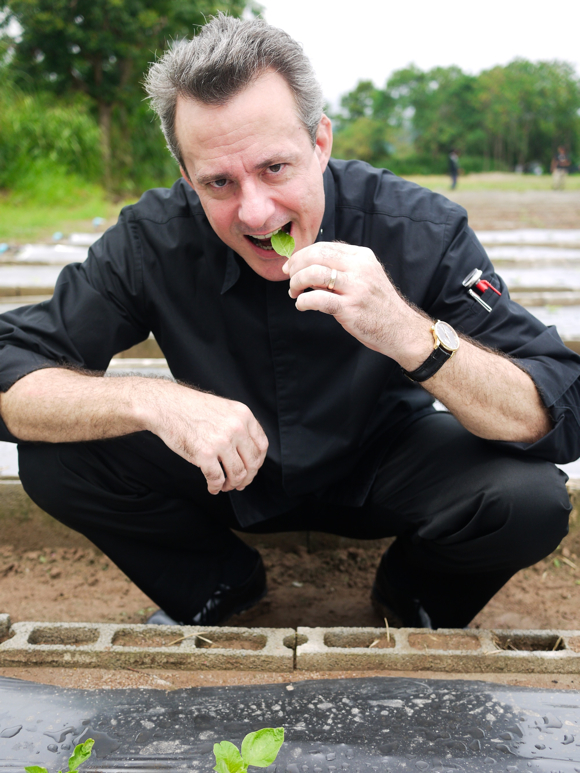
<point x="350" y="41"/>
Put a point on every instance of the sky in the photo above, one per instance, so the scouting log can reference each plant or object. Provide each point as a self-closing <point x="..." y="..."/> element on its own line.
<point x="353" y="41"/>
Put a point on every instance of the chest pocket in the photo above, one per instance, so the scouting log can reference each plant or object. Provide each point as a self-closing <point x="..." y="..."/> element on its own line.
<point x="483" y="295"/>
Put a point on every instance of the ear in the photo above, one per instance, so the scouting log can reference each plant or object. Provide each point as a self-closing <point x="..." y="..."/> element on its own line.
<point x="185" y="177"/>
<point x="324" y="141"/>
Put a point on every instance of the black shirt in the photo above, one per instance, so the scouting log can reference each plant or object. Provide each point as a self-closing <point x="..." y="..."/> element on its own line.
<point x="329" y="406"/>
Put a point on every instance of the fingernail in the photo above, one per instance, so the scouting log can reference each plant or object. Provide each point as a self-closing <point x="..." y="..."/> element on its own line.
<point x="285" y="267"/>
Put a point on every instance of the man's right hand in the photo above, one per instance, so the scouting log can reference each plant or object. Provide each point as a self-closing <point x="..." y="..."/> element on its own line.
<point x="221" y="437"/>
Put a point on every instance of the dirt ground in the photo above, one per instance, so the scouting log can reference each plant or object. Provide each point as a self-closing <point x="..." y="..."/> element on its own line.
<point x="504" y="210"/>
<point x="327" y="587"/>
<point x="70" y="581"/>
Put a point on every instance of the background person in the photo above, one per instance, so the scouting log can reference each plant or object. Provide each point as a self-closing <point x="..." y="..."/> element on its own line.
<point x="453" y="168"/>
<point x="560" y="167"/>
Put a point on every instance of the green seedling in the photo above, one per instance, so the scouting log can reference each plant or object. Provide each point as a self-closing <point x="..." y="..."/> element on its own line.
<point x="260" y="749"/>
<point x="283" y="243"/>
<point x="81" y="754"/>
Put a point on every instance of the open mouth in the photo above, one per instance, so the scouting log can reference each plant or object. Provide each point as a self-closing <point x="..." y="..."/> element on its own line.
<point x="264" y="240"/>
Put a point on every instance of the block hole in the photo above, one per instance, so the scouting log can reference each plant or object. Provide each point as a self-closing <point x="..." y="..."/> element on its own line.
<point x="230" y="640"/>
<point x="442" y="641"/>
<point x="75" y="637"/>
<point x="294" y="640"/>
<point x="152" y="637"/>
<point x="529" y="642"/>
<point x="360" y="639"/>
<point x="5" y="635"/>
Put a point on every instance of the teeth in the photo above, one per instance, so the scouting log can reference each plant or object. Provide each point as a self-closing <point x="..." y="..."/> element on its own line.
<point x="265" y="236"/>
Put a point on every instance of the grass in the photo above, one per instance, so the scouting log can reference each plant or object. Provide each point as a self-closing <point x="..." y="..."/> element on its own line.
<point x="494" y="181"/>
<point x="68" y="204"/>
<point x="35" y="212"/>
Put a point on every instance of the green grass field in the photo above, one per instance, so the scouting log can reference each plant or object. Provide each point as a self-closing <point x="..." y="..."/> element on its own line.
<point x="34" y="215"/>
<point x="65" y="205"/>
<point x="494" y="181"/>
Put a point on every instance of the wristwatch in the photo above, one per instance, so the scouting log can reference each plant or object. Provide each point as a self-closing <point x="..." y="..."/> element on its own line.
<point x="445" y="344"/>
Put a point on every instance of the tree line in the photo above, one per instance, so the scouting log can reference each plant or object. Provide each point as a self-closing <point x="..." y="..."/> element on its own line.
<point x="507" y="117"/>
<point x="71" y="99"/>
<point x="81" y="63"/>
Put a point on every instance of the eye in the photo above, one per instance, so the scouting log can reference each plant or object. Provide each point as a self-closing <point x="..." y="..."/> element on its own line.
<point x="218" y="183"/>
<point x="276" y="168"/>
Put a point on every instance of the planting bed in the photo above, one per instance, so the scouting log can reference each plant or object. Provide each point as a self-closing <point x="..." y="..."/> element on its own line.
<point x="327" y="587"/>
<point x="366" y="725"/>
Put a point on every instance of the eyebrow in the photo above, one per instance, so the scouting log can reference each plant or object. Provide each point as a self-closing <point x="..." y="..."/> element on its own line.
<point x="203" y="179"/>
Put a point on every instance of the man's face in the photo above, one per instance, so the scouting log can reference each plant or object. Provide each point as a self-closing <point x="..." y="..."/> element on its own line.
<point x="252" y="164"/>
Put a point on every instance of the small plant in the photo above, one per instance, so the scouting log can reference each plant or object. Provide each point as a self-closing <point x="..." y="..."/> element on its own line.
<point x="260" y="749"/>
<point x="283" y="243"/>
<point x="81" y="754"/>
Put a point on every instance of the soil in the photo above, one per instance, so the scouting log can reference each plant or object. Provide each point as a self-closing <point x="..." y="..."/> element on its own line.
<point x="327" y="587"/>
<point x="69" y="580"/>
<point x="504" y="210"/>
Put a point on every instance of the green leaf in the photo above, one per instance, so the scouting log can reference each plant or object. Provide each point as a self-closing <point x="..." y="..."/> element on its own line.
<point x="283" y="243"/>
<point x="228" y="758"/>
<point x="261" y="748"/>
<point x="81" y="754"/>
<point x="35" y="769"/>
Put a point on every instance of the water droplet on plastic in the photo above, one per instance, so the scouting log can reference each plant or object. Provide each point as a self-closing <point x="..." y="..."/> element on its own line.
<point x="52" y="747"/>
<point x="10" y="732"/>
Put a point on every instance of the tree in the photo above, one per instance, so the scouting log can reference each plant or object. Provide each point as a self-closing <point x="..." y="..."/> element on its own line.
<point x="506" y="116"/>
<point x="101" y="48"/>
<point x="527" y="109"/>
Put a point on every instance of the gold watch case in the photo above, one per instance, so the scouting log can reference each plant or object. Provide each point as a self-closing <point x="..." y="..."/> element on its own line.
<point x="444" y="336"/>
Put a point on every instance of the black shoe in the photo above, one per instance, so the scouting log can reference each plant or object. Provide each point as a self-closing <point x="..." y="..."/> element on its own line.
<point x="400" y="610"/>
<point x="225" y="601"/>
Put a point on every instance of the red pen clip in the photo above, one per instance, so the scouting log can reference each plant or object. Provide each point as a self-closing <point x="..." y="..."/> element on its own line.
<point x="484" y="285"/>
<point x="474" y="279"/>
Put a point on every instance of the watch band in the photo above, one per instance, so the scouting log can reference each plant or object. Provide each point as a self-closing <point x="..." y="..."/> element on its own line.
<point x="432" y="364"/>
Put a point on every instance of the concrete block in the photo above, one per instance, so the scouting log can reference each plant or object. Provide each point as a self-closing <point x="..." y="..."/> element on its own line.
<point x="92" y="645"/>
<point x="446" y="650"/>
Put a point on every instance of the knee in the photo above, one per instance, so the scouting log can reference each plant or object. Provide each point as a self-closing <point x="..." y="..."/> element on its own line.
<point x="41" y="476"/>
<point x="537" y="508"/>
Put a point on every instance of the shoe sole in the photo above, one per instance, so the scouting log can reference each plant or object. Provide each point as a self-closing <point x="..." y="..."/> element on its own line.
<point x="244" y="607"/>
<point x="384" y="611"/>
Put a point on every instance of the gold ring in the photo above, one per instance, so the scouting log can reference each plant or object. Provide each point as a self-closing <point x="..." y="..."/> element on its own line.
<point x="333" y="275"/>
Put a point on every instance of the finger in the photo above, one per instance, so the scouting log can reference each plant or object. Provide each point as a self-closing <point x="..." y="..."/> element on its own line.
<point x="334" y="255"/>
<point x="252" y="460"/>
<point x="324" y="277"/>
<point x="259" y="439"/>
<point x="214" y="476"/>
<point x="320" y="300"/>
<point x="235" y="471"/>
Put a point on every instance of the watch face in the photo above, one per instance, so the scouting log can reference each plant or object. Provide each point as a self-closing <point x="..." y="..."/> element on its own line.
<point x="448" y="337"/>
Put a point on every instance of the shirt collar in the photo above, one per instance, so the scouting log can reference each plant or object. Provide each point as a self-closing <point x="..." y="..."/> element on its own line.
<point x="326" y="233"/>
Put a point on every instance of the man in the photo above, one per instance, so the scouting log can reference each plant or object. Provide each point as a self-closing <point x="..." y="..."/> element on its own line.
<point x="291" y="420"/>
<point x="453" y="167"/>
<point x="559" y="168"/>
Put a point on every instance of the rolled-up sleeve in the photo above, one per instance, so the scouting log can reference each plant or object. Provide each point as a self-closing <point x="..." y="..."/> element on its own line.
<point x="509" y="328"/>
<point x="96" y="311"/>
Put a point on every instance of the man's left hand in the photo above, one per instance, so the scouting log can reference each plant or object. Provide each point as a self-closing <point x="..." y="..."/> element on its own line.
<point x="349" y="283"/>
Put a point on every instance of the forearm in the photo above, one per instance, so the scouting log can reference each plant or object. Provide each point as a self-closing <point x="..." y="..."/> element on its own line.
<point x="491" y="396"/>
<point x="487" y="392"/>
<point x="220" y="436"/>
<point x="57" y="405"/>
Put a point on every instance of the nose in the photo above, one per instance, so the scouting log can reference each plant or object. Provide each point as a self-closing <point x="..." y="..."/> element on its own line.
<point x="256" y="206"/>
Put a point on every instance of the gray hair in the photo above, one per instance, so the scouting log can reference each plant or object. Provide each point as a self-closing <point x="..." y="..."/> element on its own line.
<point x="225" y="57"/>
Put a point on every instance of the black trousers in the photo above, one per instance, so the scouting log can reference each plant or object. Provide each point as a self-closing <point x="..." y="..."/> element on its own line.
<point x="467" y="514"/>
